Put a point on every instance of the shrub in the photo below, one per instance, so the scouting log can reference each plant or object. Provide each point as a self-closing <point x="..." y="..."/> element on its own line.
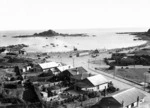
<point x="112" y="89"/>
<point x="111" y="67"/>
<point x="85" y="97"/>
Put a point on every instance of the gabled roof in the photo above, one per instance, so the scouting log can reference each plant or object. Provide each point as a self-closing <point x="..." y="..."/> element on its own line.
<point x="49" y="65"/>
<point x="97" y="79"/>
<point x="92" y="81"/>
<point x="80" y="76"/>
<point x="77" y="71"/>
<point x="128" y="96"/>
<point x="83" y="85"/>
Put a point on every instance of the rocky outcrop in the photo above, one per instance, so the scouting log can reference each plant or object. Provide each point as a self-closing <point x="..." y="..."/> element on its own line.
<point x="47" y="33"/>
<point x="53" y="33"/>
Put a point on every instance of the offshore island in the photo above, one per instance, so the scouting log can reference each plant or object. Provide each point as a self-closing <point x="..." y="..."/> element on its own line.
<point x="49" y="33"/>
<point x="77" y="78"/>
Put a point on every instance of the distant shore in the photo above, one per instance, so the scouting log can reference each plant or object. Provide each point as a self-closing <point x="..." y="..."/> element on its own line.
<point x="141" y="35"/>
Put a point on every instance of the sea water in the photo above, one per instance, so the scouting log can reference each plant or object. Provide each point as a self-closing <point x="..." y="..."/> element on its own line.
<point x="97" y="39"/>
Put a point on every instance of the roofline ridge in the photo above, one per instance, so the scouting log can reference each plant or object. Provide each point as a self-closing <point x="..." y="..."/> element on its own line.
<point x="126" y="90"/>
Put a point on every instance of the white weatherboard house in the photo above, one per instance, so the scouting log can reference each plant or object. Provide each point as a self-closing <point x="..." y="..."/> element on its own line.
<point x="46" y="66"/>
<point x="26" y="69"/>
<point x="129" y="98"/>
<point x="93" y="83"/>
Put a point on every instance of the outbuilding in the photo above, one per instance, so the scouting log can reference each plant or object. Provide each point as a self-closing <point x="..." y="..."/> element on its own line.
<point x="128" y="98"/>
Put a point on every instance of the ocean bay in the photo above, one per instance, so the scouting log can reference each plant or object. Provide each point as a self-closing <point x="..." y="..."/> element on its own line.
<point x="97" y="39"/>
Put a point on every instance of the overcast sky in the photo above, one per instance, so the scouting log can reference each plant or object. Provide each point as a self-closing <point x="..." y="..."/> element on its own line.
<point x="70" y="14"/>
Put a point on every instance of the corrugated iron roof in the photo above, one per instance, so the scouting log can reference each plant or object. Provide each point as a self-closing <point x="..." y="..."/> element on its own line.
<point x="97" y="79"/>
<point x="63" y="68"/>
<point x="80" y="76"/>
<point x="49" y="65"/>
<point x="77" y="70"/>
<point x="83" y="85"/>
<point x="92" y="81"/>
<point x="128" y="96"/>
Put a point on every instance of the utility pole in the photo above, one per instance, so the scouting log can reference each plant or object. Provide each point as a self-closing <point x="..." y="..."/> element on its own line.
<point x="73" y="61"/>
<point x="114" y="73"/>
<point x="88" y="63"/>
<point x="144" y="81"/>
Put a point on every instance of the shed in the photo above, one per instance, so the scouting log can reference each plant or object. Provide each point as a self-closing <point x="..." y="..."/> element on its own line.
<point x="82" y="54"/>
<point x="126" y="98"/>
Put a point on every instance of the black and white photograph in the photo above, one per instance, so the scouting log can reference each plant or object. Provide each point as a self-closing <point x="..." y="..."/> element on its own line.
<point x="74" y="53"/>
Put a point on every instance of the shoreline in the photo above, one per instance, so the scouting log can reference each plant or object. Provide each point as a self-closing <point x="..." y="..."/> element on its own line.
<point x="135" y="34"/>
<point x="30" y="36"/>
<point x="101" y="50"/>
<point x="142" y="37"/>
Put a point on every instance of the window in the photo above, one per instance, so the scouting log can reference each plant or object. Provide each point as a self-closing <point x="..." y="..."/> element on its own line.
<point x="98" y="87"/>
<point x="132" y="105"/>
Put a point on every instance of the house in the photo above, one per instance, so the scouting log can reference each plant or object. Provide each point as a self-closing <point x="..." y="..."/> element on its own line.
<point x="79" y="77"/>
<point x="26" y="69"/>
<point x="93" y="83"/>
<point x="22" y="51"/>
<point x="128" y="98"/>
<point x="60" y="69"/>
<point x="42" y="67"/>
<point x="74" y="71"/>
<point x="67" y="74"/>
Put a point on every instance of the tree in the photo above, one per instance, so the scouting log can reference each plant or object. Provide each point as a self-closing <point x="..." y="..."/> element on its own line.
<point x="111" y="67"/>
<point x="17" y="71"/>
<point x="85" y="97"/>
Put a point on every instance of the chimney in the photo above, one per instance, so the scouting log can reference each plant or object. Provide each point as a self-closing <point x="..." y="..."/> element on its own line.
<point x="138" y="100"/>
<point x="81" y="75"/>
<point x="77" y="72"/>
<point x="89" y="74"/>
